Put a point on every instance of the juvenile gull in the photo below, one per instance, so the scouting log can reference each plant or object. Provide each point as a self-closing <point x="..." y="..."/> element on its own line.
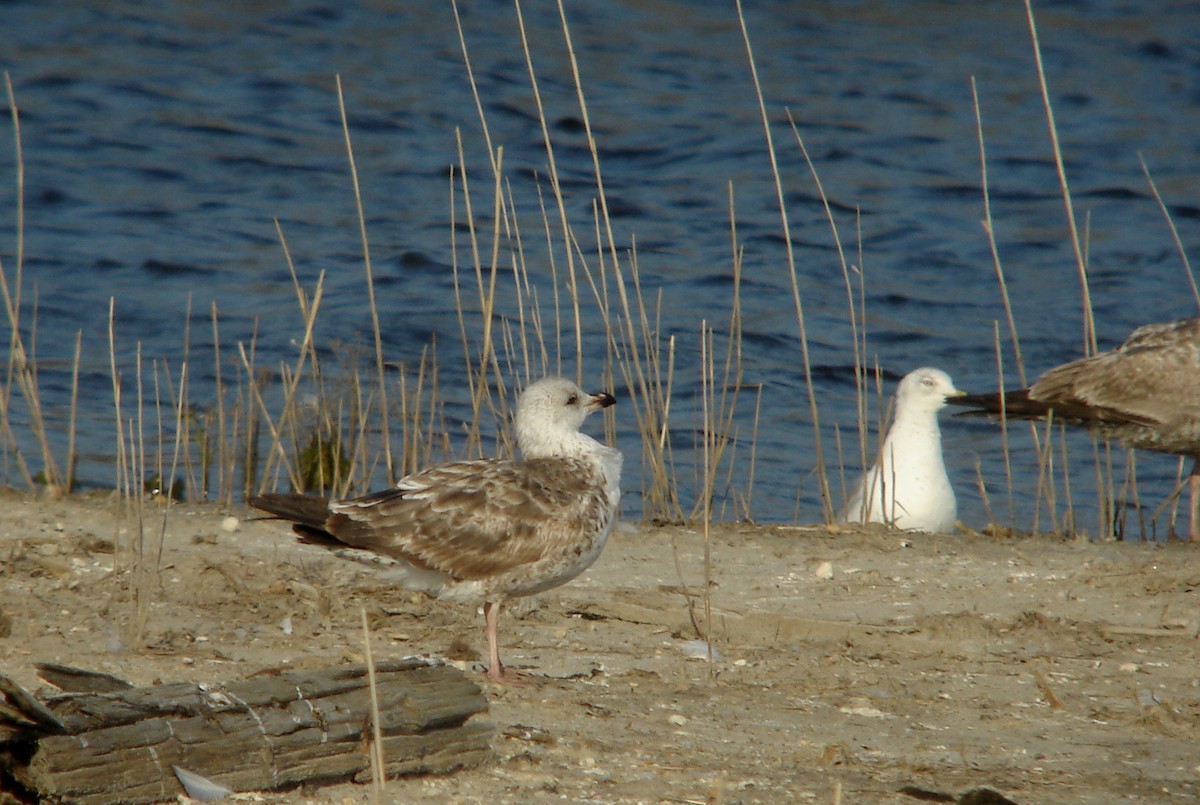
<point x="908" y="487"/>
<point x="1145" y="393"/>
<point x="486" y="530"/>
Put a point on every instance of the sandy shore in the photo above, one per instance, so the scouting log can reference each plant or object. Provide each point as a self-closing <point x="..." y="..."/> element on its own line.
<point x="862" y="661"/>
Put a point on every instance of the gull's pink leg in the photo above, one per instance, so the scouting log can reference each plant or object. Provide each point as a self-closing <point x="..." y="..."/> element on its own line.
<point x="491" y="618"/>
<point x="495" y="672"/>
<point x="1194" y="503"/>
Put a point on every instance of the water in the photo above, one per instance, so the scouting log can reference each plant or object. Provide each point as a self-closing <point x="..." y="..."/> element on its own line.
<point x="161" y="139"/>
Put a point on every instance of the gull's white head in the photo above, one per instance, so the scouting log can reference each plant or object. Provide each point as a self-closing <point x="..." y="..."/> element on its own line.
<point x="550" y="413"/>
<point x="924" y="390"/>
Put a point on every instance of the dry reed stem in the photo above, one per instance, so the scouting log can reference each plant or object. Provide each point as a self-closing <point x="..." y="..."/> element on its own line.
<point x="526" y="297"/>
<point x="20" y="361"/>
<point x="856" y="321"/>
<point x="224" y="459"/>
<point x="983" y="493"/>
<point x="20" y="180"/>
<point x="552" y="265"/>
<point x="1078" y="245"/>
<point x="841" y="461"/>
<point x="276" y="439"/>
<point x="366" y="246"/>
<point x="989" y="229"/>
<point x="254" y="382"/>
<point x="73" y="415"/>
<point x="378" y="774"/>
<point x="1045" y="485"/>
<point x="749" y="496"/>
<point x="1089" y="323"/>
<point x="287" y="418"/>
<point x="5" y="395"/>
<point x="1129" y="490"/>
<point x="123" y="482"/>
<point x="488" y="357"/>
<point x="1105" y="490"/>
<point x="723" y="408"/>
<point x="1187" y="266"/>
<point x="822" y="477"/>
<point x="707" y="390"/>
<point x="1006" y="448"/>
<point x="462" y="41"/>
<point x="560" y="204"/>
<point x="168" y="480"/>
<point x="360" y="420"/>
<point x="476" y="385"/>
<point x="645" y="390"/>
<point x="1173" y="499"/>
<point x="1044" y="686"/>
<point x="141" y="581"/>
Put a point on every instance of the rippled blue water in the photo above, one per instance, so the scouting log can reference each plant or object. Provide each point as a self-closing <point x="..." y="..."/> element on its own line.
<point x="161" y="139"/>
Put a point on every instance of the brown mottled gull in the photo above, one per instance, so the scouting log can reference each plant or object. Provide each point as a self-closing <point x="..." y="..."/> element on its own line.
<point x="908" y="487"/>
<point x="1146" y="393"/>
<point x="486" y="530"/>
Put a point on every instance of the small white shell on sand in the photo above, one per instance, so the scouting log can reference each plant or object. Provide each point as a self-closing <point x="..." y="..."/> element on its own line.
<point x="698" y="650"/>
<point x="200" y="788"/>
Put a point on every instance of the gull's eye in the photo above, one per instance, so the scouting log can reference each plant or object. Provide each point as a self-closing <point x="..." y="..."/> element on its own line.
<point x="573" y="399"/>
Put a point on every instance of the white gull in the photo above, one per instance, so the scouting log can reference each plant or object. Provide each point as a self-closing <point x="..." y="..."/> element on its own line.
<point x="908" y="486"/>
<point x="486" y="530"/>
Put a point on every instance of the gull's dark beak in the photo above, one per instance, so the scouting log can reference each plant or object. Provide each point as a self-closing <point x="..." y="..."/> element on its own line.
<point x="601" y="399"/>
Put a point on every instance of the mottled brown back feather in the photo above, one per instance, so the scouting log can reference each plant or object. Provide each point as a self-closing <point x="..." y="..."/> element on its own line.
<point x="468" y="519"/>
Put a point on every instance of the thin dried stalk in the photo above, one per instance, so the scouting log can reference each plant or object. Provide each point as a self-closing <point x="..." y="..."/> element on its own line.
<point x="806" y="362"/>
<point x="366" y="246"/>
<point x="1089" y="322"/>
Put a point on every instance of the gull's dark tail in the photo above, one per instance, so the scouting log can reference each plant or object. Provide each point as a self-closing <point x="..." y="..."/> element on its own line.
<point x="1014" y="405"/>
<point x="309" y="514"/>
<point x="1019" y="405"/>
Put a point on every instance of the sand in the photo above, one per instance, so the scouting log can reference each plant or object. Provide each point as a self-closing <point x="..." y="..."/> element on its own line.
<point x="849" y="663"/>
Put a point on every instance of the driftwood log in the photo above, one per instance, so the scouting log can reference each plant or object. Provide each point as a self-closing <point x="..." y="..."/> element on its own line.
<point x="120" y="744"/>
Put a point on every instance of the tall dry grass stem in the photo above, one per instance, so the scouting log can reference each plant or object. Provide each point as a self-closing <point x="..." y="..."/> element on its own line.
<point x="990" y="230"/>
<point x="20" y="178"/>
<point x="476" y="382"/>
<point x="720" y="428"/>
<point x="857" y="317"/>
<point x="643" y="378"/>
<point x="1105" y="486"/>
<point x="370" y="282"/>
<point x="1045" y="481"/>
<point x="633" y="340"/>
<point x="709" y="430"/>
<point x="560" y="206"/>
<point x="984" y="497"/>
<point x="291" y="381"/>
<point x="73" y="416"/>
<point x="1089" y="323"/>
<point x="378" y="767"/>
<point x="1005" y="446"/>
<point x="822" y="476"/>
<point x="22" y="364"/>
<point x="1187" y="265"/>
<point x="132" y="558"/>
<point x="224" y="455"/>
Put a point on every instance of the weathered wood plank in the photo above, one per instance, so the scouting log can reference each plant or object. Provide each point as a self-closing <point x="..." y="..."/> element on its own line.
<point x="262" y="733"/>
